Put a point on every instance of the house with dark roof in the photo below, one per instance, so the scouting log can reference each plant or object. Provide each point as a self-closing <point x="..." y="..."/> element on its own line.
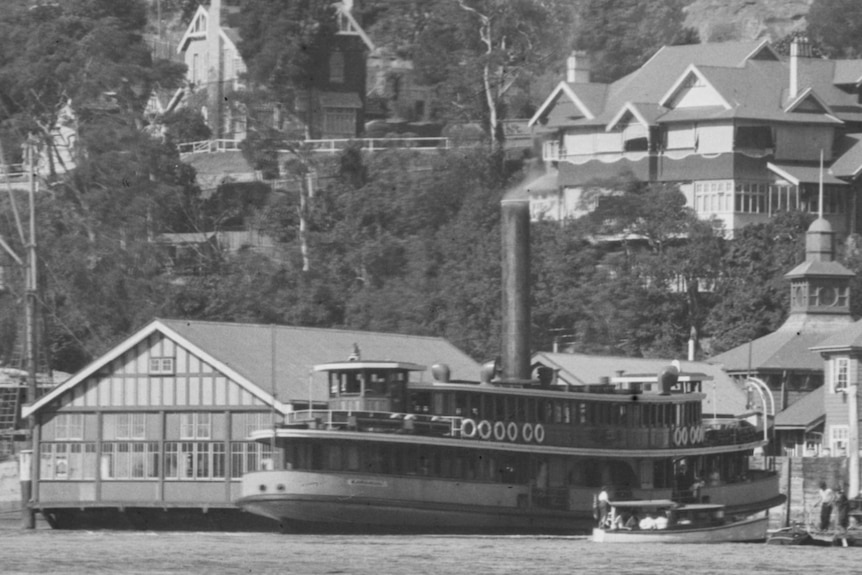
<point x="155" y="433"/>
<point x="333" y="108"/>
<point x="738" y="128"/>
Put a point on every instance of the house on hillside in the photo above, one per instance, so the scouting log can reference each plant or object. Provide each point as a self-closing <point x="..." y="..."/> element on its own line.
<point x="332" y="108"/>
<point x="740" y="130"/>
<point x="154" y="433"/>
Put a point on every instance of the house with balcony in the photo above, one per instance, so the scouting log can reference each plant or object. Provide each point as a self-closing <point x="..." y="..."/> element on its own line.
<point x="742" y="131"/>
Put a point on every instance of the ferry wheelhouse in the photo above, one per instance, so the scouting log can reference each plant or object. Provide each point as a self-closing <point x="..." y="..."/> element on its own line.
<point x="393" y="453"/>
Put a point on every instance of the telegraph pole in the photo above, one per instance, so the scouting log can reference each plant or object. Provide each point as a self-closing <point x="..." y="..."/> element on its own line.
<point x="27" y="461"/>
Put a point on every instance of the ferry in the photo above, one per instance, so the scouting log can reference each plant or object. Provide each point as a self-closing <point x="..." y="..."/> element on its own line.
<point x="393" y="454"/>
<point x="514" y="452"/>
<point x="671" y="522"/>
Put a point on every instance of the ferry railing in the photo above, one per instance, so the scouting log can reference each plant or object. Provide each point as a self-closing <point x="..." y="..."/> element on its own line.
<point x="327" y="146"/>
<point x="374" y="421"/>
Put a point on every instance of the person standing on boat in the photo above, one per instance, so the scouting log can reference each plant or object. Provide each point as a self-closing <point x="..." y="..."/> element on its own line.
<point x="603" y="506"/>
<point x="826" y="498"/>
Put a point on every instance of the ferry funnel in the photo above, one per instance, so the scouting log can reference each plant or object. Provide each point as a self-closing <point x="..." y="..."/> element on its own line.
<point x="515" y="226"/>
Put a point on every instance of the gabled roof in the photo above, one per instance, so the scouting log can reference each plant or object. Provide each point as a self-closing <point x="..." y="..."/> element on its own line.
<point x="847" y="339"/>
<point x="784" y="349"/>
<point x="680" y="84"/>
<point x="849" y="162"/>
<point x="748" y="78"/>
<point x="723" y="396"/>
<point x="805" y="413"/>
<point x="797" y="174"/>
<point x="196" y="29"/>
<point x="587" y="99"/>
<point x="244" y="352"/>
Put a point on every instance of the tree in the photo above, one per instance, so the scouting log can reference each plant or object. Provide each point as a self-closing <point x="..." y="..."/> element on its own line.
<point x="836" y="26"/>
<point x="752" y="294"/>
<point x="479" y="52"/>
<point x="620" y="35"/>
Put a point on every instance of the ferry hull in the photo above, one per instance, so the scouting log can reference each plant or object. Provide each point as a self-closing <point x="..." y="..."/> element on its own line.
<point x="747" y="531"/>
<point x="331" y="515"/>
<point x="331" y="502"/>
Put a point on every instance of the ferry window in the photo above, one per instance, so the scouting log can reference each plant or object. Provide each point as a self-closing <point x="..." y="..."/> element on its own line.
<point x="352" y="458"/>
<point x="558" y="412"/>
<point x="420" y="402"/>
<point x="462" y="402"/>
<point x="376" y="383"/>
<point x="582" y="413"/>
<point x="530" y="409"/>
<point x="333" y="384"/>
<point x="499" y="408"/>
<point x="351" y="383"/>
<point x="333" y="458"/>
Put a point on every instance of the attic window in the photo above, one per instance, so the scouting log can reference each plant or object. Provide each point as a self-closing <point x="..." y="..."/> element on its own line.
<point x="161" y="366"/>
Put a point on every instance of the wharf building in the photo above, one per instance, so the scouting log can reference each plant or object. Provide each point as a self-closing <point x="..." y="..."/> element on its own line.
<point x="740" y="129"/>
<point x="155" y="433"/>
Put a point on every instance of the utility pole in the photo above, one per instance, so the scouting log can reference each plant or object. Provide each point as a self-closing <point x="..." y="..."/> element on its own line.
<point x="27" y="461"/>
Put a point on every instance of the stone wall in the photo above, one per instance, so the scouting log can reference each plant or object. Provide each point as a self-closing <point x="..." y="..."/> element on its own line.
<point x="800" y="479"/>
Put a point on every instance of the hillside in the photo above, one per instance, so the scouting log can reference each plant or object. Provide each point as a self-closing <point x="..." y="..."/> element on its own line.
<point x="720" y="20"/>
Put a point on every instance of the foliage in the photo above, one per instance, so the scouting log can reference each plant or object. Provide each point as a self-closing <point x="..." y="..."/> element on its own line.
<point x="621" y="35"/>
<point x="479" y="53"/>
<point x="752" y="295"/>
<point x="836" y="26"/>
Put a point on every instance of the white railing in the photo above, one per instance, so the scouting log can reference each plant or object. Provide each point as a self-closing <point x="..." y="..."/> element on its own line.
<point x="12" y="172"/>
<point x="324" y="146"/>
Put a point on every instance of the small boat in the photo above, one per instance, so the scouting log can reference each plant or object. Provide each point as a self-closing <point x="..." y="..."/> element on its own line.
<point x="665" y="521"/>
<point x="799" y="534"/>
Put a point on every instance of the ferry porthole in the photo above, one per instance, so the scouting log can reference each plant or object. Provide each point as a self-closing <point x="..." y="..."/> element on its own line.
<point x="527" y="432"/>
<point x="468" y="428"/>
<point x="484" y="429"/>
<point x="512" y="431"/>
<point x="280" y="487"/>
<point x="683" y="435"/>
<point x="677" y="436"/>
<point x="499" y="430"/>
<point x="539" y="433"/>
<point x="263" y="487"/>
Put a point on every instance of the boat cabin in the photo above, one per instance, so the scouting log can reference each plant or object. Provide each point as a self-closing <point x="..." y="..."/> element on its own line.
<point x="664" y="514"/>
<point x="368" y="385"/>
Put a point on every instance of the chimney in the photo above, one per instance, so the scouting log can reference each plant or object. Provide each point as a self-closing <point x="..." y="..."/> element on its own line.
<point x="799" y="48"/>
<point x="516" y="287"/>
<point x="578" y="68"/>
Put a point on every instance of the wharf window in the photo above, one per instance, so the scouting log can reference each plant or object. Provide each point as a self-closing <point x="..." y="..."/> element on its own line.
<point x="125" y="425"/>
<point x="840" y="374"/>
<point x="247" y="423"/>
<point x="196" y="426"/>
<point x="162" y="366"/>
<point x="838" y="439"/>
<point x="194" y="460"/>
<point x="69" y="426"/>
<point x="130" y="460"/>
<point x="246" y="456"/>
<point x="67" y="461"/>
